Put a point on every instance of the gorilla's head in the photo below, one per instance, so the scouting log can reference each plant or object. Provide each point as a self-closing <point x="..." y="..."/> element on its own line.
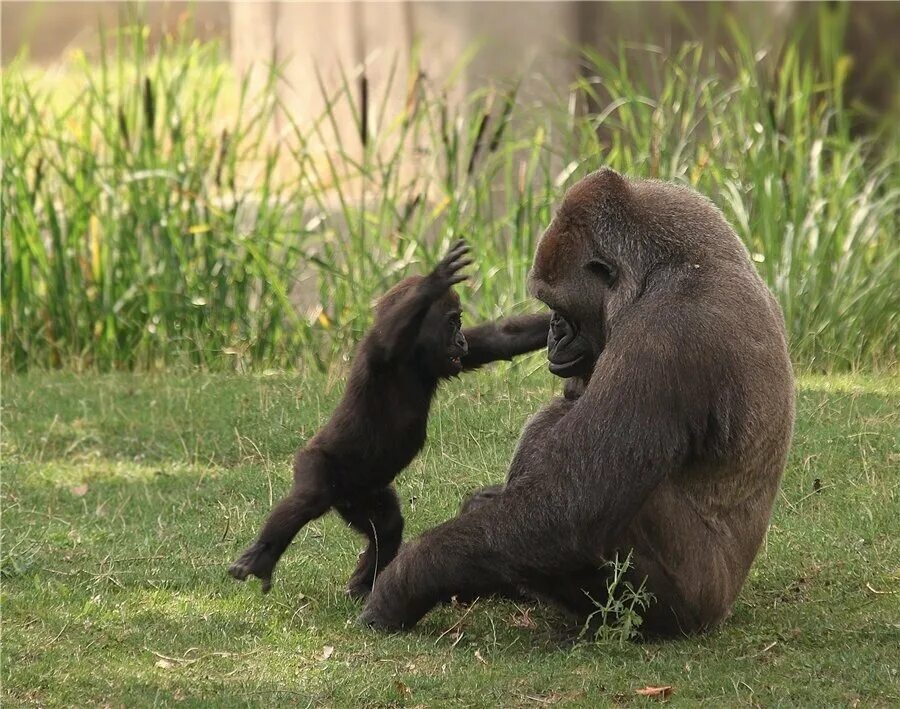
<point x="440" y="345"/>
<point x="611" y="241"/>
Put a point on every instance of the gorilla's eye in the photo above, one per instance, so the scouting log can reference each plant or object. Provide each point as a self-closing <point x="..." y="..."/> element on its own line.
<point x="604" y="270"/>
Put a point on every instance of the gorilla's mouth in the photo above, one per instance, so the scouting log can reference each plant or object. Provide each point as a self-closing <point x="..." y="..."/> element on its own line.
<point x="456" y="364"/>
<point x="566" y="347"/>
<point x="565" y="369"/>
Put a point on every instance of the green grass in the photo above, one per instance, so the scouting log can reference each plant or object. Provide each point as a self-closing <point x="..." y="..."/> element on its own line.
<point x="149" y="218"/>
<point x="125" y="497"/>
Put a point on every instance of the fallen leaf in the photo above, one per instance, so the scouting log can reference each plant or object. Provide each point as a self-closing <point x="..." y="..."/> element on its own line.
<point x="402" y="689"/>
<point x="79" y="490"/>
<point x="327" y="652"/>
<point x="164" y="664"/>
<point x="663" y="692"/>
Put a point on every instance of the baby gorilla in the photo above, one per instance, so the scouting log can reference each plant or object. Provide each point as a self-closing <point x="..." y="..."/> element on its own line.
<point x="377" y="428"/>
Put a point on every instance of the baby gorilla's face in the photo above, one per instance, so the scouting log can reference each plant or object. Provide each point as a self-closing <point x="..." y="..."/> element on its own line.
<point x="441" y="340"/>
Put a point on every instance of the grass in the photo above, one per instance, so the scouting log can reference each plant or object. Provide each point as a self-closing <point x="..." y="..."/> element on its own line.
<point x="151" y="220"/>
<point x="125" y="497"/>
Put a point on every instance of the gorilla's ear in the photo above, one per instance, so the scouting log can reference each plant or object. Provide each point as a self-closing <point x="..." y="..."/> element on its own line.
<point x="605" y="270"/>
<point x="605" y="188"/>
<point x="611" y="185"/>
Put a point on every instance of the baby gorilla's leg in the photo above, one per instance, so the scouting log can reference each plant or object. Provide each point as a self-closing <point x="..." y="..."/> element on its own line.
<point x="309" y="498"/>
<point x="378" y="517"/>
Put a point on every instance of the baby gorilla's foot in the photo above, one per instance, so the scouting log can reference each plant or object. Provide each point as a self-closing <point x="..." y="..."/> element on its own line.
<point x="359" y="588"/>
<point x="258" y="560"/>
<point x="360" y="584"/>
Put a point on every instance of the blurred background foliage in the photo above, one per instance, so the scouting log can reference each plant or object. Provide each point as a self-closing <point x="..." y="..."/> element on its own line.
<point x="151" y="218"/>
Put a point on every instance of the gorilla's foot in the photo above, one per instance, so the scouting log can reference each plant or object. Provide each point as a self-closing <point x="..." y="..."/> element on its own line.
<point x="359" y="586"/>
<point x="258" y="560"/>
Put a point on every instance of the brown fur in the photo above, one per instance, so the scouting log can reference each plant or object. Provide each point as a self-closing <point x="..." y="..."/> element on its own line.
<point x="670" y="443"/>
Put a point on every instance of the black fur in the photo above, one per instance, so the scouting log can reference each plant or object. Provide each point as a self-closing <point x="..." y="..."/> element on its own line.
<point x="379" y="425"/>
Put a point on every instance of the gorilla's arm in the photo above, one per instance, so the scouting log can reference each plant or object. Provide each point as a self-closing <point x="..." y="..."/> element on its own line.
<point x="633" y="426"/>
<point x="399" y="322"/>
<point x="505" y="339"/>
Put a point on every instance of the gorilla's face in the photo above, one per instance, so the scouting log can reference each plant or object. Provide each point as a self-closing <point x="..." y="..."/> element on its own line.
<point x="570" y="352"/>
<point x="577" y="276"/>
<point x="441" y="342"/>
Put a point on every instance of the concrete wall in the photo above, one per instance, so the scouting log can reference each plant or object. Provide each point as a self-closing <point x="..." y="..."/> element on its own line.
<point x="51" y="28"/>
<point x="515" y="38"/>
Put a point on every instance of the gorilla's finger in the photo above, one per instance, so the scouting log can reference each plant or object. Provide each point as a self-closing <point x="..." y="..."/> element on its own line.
<point x="455" y="266"/>
<point x="456" y="251"/>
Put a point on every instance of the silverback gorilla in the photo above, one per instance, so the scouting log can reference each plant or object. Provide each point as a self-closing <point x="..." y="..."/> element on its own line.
<point x="671" y="439"/>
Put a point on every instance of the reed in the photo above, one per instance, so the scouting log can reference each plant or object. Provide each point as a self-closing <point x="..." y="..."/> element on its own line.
<point x="150" y="221"/>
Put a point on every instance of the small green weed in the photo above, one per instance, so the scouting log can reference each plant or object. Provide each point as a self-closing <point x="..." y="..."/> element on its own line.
<point x="618" y="617"/>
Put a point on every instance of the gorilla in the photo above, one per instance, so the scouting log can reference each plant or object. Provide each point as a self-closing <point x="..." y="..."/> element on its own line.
<point x="671" y="438"/>
<point x="415" y="343"/>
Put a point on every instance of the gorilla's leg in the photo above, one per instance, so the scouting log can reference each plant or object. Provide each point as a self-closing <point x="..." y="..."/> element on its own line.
<point x="501" y="540"/>
<point x="310" y="498"/>
<point x="378" y="517"/>
<point x="668" y="614"/>
<point x="475" y="501"/>
<point x="511" y="542"/>
<point x="692" y="590"/>
<point x="694" y="584"/>
<point x="479" y="553"/>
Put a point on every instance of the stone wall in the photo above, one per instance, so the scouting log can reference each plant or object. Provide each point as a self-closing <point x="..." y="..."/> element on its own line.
<point x="51" y="28"/>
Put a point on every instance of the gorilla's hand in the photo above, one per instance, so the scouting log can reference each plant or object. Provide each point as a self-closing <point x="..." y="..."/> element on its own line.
<point x="386" y="609"/>
<point x="446" y="273"/>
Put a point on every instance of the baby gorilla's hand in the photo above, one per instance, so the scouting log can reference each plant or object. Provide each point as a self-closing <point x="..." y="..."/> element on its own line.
<point x="258" y="561"/>
<point x="446" y="273"/>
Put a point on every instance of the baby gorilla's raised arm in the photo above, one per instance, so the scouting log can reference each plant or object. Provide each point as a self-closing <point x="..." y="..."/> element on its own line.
<point x="399" y="320"/>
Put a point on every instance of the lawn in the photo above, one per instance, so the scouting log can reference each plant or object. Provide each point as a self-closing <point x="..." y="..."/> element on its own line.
<point x="126" y="496"/>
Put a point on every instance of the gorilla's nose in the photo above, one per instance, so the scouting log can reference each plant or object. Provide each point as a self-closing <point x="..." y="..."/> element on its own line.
<point x="560" y="327"/>
<point x="536" y="286"/>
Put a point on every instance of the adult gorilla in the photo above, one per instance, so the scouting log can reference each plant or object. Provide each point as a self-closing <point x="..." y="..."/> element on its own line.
<point x="676" y="446"/>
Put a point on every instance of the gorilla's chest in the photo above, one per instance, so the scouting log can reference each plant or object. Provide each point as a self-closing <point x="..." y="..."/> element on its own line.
<point x="536" y="435"/>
